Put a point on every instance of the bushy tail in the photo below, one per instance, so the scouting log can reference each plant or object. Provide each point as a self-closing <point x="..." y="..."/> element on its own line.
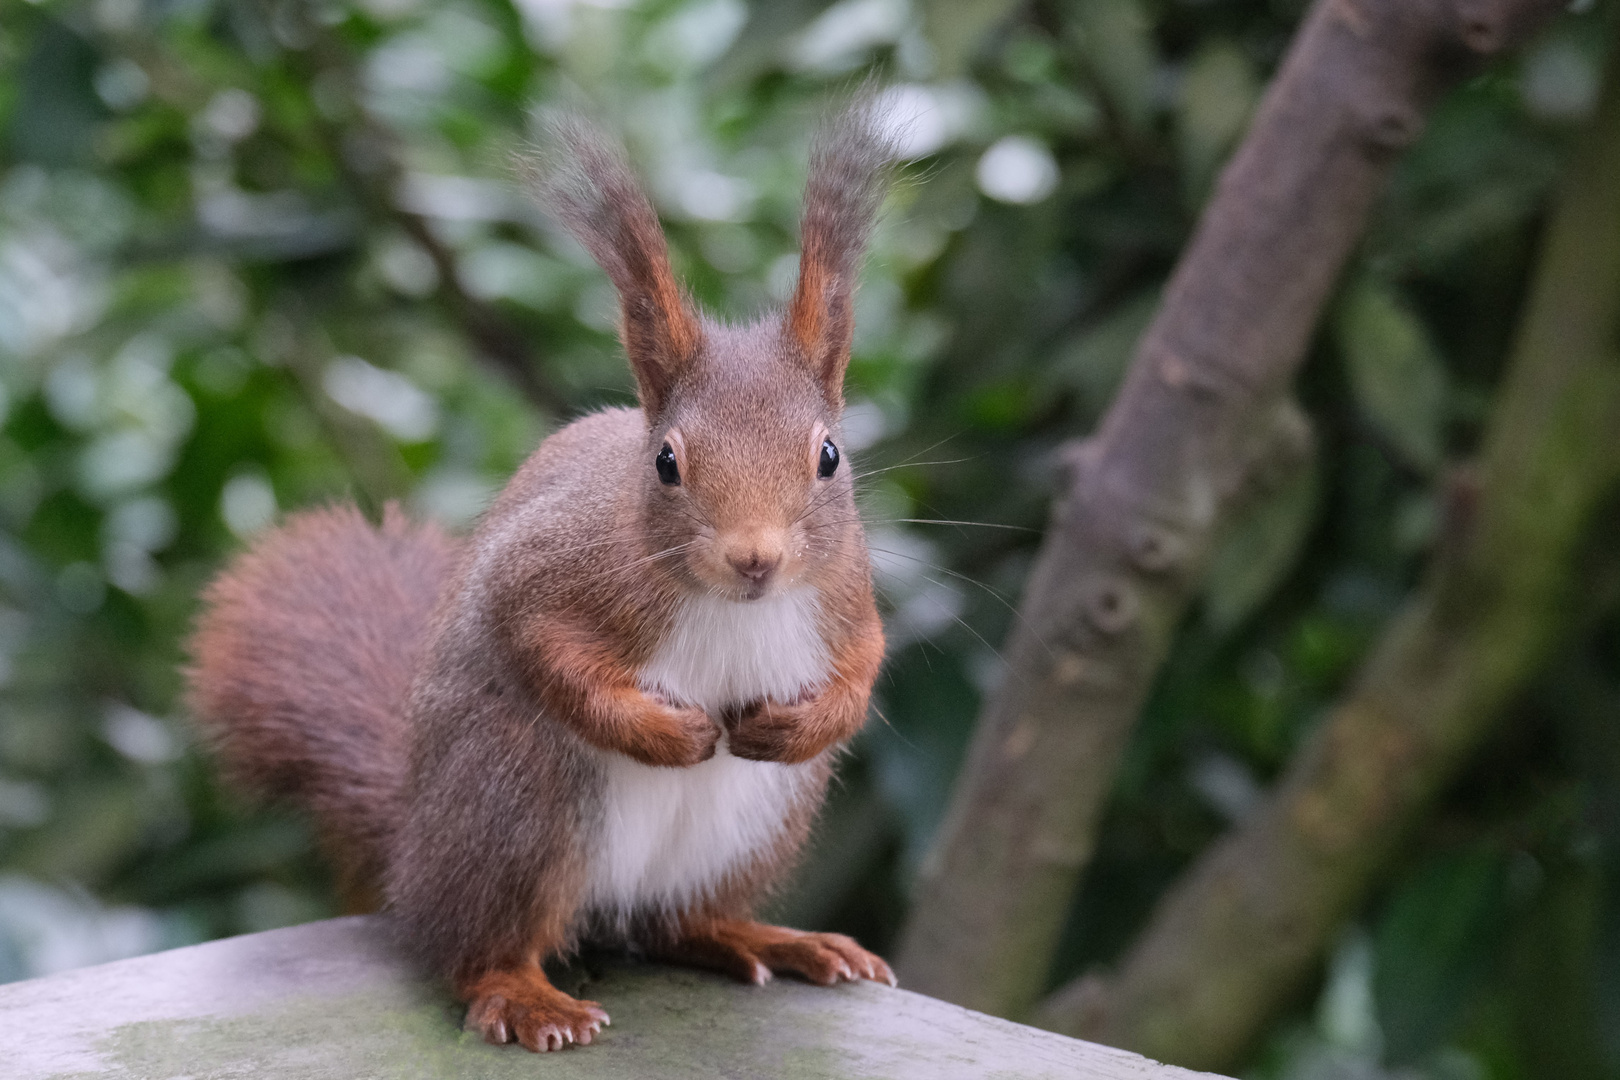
<point x="301" y="662"/>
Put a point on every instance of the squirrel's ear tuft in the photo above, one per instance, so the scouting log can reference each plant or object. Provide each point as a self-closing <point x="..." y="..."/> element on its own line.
<point x="583" y="178"/>
<point x="850" y="163"/>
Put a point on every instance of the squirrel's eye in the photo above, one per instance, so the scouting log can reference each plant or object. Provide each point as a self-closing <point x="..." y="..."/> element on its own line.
<point x="668" y="471"/>
<point x="829" y="460"/>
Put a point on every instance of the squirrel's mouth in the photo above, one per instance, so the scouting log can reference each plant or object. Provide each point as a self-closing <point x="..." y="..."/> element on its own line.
<point x="735" y="587"/>
<point x="755" y="590"/>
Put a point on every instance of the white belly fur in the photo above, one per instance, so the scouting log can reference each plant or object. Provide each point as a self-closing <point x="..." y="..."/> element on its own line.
<point x="671" y="835"/>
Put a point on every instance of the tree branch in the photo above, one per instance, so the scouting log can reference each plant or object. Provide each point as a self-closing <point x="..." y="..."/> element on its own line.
<point x="376" y="175"/>
<point x="1132" y="531"/>
<point x="1245" y="927"/>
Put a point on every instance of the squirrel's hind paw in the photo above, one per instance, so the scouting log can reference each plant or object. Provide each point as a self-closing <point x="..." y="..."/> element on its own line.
<point x="523" y="1007"/>
<point x="750" y="951"/>
<point x="826" y="959"/>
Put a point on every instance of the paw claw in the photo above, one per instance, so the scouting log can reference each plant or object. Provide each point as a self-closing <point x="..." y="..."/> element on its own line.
<point x="753" y="951"/>
<point x="522" y="1006"/>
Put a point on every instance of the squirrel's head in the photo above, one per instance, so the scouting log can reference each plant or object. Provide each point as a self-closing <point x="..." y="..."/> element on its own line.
<point x="744" y="466"/>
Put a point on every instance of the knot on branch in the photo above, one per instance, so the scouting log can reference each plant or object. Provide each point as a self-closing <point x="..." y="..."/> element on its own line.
<point x="1156" y="550"/>
<point x="1197" y="380"/>
<point x="1075" y="459"/>
<point x="1074" y="670"/>
<point x="1483" y="25"/>
<point x="1391" y="126"/>
<point x="1457" y="584"/>
<point x="1113" y="606"/>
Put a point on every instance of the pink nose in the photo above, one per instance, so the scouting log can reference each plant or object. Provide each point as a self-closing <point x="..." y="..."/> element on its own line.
<point x="755" y="566"/>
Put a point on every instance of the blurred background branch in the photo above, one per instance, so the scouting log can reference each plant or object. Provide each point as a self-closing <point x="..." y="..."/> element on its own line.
<point x="1131" y="534"/>
<point x="1512" y="580"/>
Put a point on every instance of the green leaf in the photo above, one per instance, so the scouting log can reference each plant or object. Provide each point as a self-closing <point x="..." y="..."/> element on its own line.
<point x="1115" y="37"/>
<point x="957" y="28"/>
<point x="57" y="110"/>
<point x="1093" y="362"/>
<point x="928" y="707"/>
<point x="1396" y="374"/>
<point x="1258" y="549"/>
<point x="1218" y="92"/>
<point x="1437" y="939"/>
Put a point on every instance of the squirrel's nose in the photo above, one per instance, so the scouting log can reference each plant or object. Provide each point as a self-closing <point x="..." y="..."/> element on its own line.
<point x="755" y="565"/>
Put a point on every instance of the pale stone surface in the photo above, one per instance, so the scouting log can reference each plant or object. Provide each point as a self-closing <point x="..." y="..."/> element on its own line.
<point x="335" y="1000"/>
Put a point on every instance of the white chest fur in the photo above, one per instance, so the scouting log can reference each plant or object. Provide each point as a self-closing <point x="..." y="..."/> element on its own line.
<point x="671" y="835"/>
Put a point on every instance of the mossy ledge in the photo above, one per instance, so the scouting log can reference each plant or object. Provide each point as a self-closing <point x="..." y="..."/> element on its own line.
<point x="336" y="1000"/>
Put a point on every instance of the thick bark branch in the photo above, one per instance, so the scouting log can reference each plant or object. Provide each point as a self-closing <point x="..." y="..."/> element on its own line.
<point x="1246" y="927"/>
<point x="1129" y="536"/>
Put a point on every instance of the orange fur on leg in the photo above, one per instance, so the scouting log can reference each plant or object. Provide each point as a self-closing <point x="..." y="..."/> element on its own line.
<point x="519" y="1004"/>
<point x="753" y="951"/>
<point x="796" y="732"/>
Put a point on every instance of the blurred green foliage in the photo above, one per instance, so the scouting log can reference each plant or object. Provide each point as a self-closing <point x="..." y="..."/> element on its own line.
<point x="249" y="250"/>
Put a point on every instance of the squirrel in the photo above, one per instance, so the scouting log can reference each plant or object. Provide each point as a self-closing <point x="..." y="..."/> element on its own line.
<point x="611" y="712"/>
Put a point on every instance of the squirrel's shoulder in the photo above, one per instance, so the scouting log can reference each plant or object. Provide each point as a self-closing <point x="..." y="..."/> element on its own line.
<point x="578" y="482"/>
<point x="615" y="429"/>
<point x="590" y="454"/>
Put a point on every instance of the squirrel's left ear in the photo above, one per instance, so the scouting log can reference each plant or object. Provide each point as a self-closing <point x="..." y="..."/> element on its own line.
<point x="850" y="163"/>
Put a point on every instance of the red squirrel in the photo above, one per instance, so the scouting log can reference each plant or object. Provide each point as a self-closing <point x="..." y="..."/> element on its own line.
<point x="611" y="712"/>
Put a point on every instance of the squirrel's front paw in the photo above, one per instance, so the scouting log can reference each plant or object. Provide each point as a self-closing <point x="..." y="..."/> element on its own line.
<point x="673" y="736"/>
<point x="770" y="731"/>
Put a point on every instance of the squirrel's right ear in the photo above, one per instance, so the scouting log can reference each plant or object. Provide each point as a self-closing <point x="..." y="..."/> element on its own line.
<point x="850" y="163"/>
<point x="583" y="178"/>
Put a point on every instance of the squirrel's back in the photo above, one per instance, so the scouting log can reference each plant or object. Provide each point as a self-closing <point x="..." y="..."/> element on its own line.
<point x="302" y="659"/>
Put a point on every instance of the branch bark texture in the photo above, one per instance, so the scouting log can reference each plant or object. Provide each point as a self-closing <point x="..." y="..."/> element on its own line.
<point x="1246" y="927"/>
<point x="1132" y="529"/>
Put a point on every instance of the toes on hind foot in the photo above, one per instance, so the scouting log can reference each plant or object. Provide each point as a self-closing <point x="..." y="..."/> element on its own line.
<point x="539" y="1026"/>
<point x="865" y="965"/>
<point x="828" y="959"/>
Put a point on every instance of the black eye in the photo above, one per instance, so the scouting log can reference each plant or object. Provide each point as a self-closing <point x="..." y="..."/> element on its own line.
<point x="668" y="471"/>
<point x="829" y="460"/>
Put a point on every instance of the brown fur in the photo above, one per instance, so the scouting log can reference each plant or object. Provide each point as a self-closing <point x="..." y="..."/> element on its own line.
<point x="318" y="663"/>
<point x="752" y="952"/>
